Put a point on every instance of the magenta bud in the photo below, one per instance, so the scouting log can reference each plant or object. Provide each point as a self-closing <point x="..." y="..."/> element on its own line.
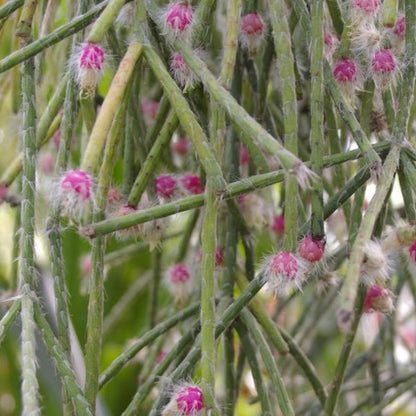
<point x="189" y="400"/>
<point x="252" y="24"/>
<point x="91" y="57"/>
<point x="378" y="299"/>
<point x="310" y="249"/>
<point x="284" y="264"/>
<point x="179" y="273"/>
<point x="192" y="184"/>
<point x="165" y="186"/>
<point x="78" y="182"/>
<point x="179" y="16"/>
<point x="383" y="61"/>
<point x="345" y="71"/>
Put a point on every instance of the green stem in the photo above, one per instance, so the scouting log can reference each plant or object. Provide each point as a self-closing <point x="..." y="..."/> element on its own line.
<point x="9" y="8"/>
<point x="263" y="319"/>
<point x="105" y="21"/>
<point x="348" y="116"/>
<point x="250" y="353"/>
<point x="176" y="353"/>
<point x="354" y="264"/>
<point x="270" y="363"/>
<point x="8" y="318"/>
<point x="108" y="110"/>
<point x="283" y="49"/>
<point x="24" y="27"/>
<point x="317" y="120"/>
<point x="114" y="368"/>
<point x="63" y="366"/>
<point x="56" y="36"/>
<point x="44" y="124"/>
<point x="149" y="165"/>
<point x="389" y="15"/>
<point x="30" y="385"/>
<point x="233" y="189"/>
<point x="336" y="16"/>
<point x="208" y="347"/>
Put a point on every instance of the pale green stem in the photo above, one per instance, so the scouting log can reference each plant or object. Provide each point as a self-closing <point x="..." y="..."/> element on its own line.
<point x="43" y="126"/>
<point x="264" y="320"/>
<point x="348" y="116"/>
<point x="270" y="363"/>
<point x="218" y="126"/>
<point x="114" y="368"/>
<point x="389" y="15"/>
<point x="250" y="352"/>
<point x="283" y="49"/>
<point x="233" y="189"/>
<point x="317" y="119"/>
<point x="8" y="318"/>
<point x="24" y="27"/>
<point x="335" y="12"/>
<point x="10" y="6"/>
<point x="30" y="385"/>
<point x="59" y="34"/>
<point x="96" y="284"/>
<point x="110" y="105"/>
<point x="63" y="366"/>
<point x="353" y="271"/>
<point x="208" y="346"/>
<point x="105" y="21"/>
<point x="152" y="159"/>
<point x="178" y="353"/>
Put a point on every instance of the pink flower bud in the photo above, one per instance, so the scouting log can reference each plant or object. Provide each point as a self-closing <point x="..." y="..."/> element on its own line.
<point x="399" y="28"/>
<point x="178" y="18"/>
<point x="91" y="61"/>
<point x="310" y="249"/>
<point x="192" y="184"/>
<point x="244" y="156"/>
<point x="368" y="6"/>
<point x="149" y="108"/>
<point x="219" y="257"/>
<point x="329" y="40"/>
<point x="278" y="224"/>
<point x="165" y="186"/>
<point x="181" y="72"/>
<point x="189" y="400"/>
<point x="92" y="57"/>
<point x="383" y="61"/>
<point x="252" y="24"/>
<point x="378" y="299"/>
<point x="285" y="265"/>
<point x="412" y="251"/>
<point x="251" y="32"/>
<point x="179" y="273"/>
<point x="78" y="184"/>
<point x="345" y="71"/>
<point x="181" y="146"/>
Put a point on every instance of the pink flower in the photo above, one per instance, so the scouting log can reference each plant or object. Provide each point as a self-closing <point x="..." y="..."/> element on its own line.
<point x="181" y="72"/>
<point x="179" y="273"/>
<point x="252" y="24"/>
<point x="378" y="299"/>
<point x="77" y="184"/>
<point x="368" y="6"/>
<point x="278" y="225"/>
<point x="285" y="271"/>
<point x="178" y="19"/>
<point x="383" y="61"/>
<point x="3" y="192"/>
<point x="91" y="57"/>
<point x="345" y="71"/>
<point x="189" y="400"/>
<point x="412" y="251"/>
<point x="165" y="186"/>
<point x="251" y="32"/>
<point x="399" y="28"/>
<point x="192" y="184"/>
<point x="181" y="146"/>
<point x="244" y="156"/>
<point x="310" y="249"/>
